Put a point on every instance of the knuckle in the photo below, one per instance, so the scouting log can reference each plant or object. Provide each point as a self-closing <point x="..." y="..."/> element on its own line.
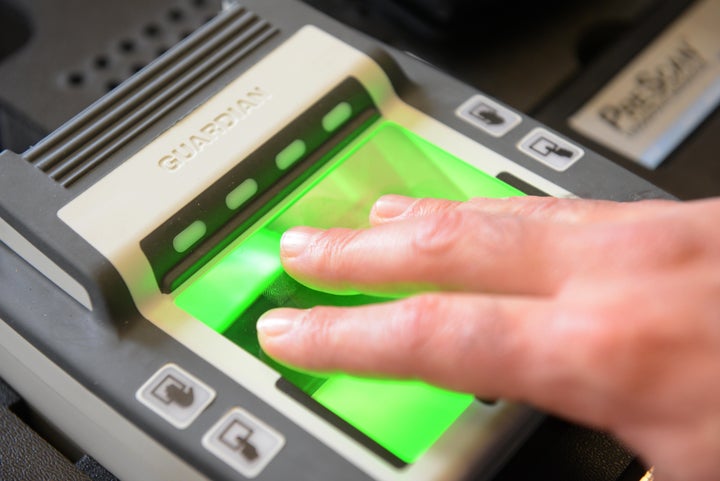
<point x="412" y="325"/>
<point x="320" y="336"/>
<point x="588" y="364"/>
<point x="627" y="354"/>
<point x="653" y="245"/>
<point x="438" y="232"/>
<point x="493" y="235"/>
<point x="501" y="235"/>
<point x="619" y="369"/>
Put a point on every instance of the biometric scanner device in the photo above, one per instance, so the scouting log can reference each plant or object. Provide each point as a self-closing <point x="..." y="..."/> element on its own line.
<point x="140" y="245"/>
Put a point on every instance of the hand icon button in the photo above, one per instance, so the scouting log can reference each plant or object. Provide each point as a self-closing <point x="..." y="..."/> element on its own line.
<point x="175" y="395"/>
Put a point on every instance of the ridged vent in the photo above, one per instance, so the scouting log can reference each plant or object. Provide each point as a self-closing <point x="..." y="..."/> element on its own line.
<point x="84" y="143"/>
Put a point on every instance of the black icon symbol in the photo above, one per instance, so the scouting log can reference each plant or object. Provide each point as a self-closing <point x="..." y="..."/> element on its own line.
<point x="236" y="436"/>
<point x="547" y="147"/>
<point x="487" y="114"/>
<point x="173" y="391"/>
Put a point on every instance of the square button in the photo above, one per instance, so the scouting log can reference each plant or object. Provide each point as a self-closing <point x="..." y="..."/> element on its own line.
<point x="487" y="115"/>
<point x="175" y="395"/>
<point x="244" y="442"/>
<point x="550" y="149"/>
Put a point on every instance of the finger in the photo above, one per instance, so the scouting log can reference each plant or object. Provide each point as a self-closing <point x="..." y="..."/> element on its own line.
<point x="391" y="208"/>
<point x="457" y="250"/>
<point x="494" y="347"/>
<point x="438" y="337"/>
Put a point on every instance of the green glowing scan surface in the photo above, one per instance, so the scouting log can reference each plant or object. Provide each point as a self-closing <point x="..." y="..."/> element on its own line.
<point x="404" y="417"/>
<point x="233" y="284"/>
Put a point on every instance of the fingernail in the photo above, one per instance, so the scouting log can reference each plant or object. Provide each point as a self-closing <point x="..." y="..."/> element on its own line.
<point x="294" y="241"/>
<point x="277" y="322"/>
<point x="390" y="206"/>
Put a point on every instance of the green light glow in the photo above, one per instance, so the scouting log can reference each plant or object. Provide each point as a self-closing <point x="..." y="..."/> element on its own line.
<point x="290" y="154"/>
<point x="188" y="237"/>
<point x="229" y="287"/>
<point x="404" y="417"/>
<point x="241" y="194"/>
<point x="340" y="114"/>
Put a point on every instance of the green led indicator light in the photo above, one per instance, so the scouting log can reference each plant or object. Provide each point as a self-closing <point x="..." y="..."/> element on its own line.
<point x="241" y="194"/>
<point x="337" y="117"/>
<point x="190" y="236"/>
<point x="290" y="154"/>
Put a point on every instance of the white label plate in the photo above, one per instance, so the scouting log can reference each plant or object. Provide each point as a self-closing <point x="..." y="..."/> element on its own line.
<point x="650" y="107"/>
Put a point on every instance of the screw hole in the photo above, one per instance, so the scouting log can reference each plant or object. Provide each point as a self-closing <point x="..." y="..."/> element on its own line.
<point x="127" y="46"/>
<point x="199" y="3"/>
<point x="101" y="62"/>
<point x="76" y="79"/>
<point x="151" y="30"/>
<point x="176" y="15"/>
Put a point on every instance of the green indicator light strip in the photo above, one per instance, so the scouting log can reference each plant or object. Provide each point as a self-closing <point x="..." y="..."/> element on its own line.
<point x="404" y="417"/>
<point x="190" y="236"/>
<point x="290" y="154"/>
<point x="334" y="119"/>
<point x="241" y="194"/>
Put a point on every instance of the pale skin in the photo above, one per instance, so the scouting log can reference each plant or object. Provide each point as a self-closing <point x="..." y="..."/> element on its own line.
<point x="604" y="313"/>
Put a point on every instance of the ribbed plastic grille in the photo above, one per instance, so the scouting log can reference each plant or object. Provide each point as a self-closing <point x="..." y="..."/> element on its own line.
<point x="90" y="139"/>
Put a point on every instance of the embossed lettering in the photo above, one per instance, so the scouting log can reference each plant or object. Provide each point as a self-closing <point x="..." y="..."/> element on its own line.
<point x="213" y="130"/>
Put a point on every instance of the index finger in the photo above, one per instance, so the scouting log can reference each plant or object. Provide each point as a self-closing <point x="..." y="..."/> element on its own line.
<point x="498" y="347"/>
<point x="456" y="250"/>
<point x="391" y="208"/>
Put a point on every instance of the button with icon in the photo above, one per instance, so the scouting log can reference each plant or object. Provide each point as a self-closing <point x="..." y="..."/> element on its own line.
<point x="243" y="442"/>
<point x="175" y="395"/>
<point x="487" y="115"/>
<point x="550" y="149"/>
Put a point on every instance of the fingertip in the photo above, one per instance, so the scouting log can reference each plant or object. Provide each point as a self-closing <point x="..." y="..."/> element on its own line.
<point x="275" y="330"/>
<point x="294" y="241"/>
<point x="277" y="322"/>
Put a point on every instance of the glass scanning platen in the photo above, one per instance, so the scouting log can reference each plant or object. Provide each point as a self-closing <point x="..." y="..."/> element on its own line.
<point x="404" y="417"/>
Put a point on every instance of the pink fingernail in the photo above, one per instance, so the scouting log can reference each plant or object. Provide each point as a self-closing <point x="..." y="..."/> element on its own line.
<point x="277" y="322"/>
<point x="390" y="206"/>
<point x="294" y="241"/>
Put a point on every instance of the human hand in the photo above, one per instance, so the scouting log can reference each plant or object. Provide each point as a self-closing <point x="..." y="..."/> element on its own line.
<point x="604" y="313"/>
